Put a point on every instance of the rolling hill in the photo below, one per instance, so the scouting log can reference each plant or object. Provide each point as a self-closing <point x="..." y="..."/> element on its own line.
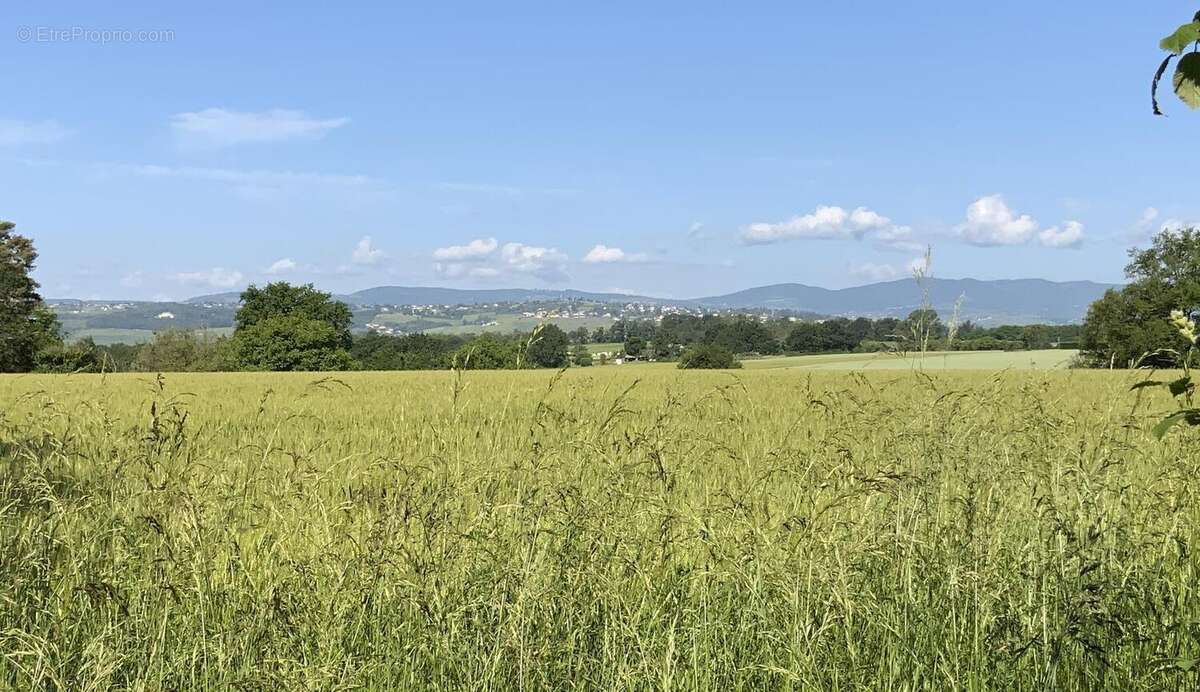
<point x="1010" y="301"/>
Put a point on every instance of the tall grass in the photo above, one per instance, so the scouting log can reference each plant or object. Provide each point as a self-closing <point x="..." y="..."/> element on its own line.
<point x="594" y="530"/>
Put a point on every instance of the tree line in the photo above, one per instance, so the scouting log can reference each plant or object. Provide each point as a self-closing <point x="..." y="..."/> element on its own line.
<point x="741" y="334"/>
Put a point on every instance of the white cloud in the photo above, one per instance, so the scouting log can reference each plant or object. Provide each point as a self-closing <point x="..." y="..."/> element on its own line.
<point x="220" y="127"/>
<point x="602" y="254"/>
<point x="459" y="270"/>
<point x="365" y="253"/>
<point x="216" y="278"/>
<point x="1070" y="236"/>
<point x="282" y="266"/>
<point x="479" y="259"/>
<point x="991" y="222"/>
<point x="827" y="223"/>
<point x="477" y="249"/>
<point x="871" y="271"/>
<point x="1177" y="225"/>
<point x="544" y="263"/>
<point x="17" y="133"/>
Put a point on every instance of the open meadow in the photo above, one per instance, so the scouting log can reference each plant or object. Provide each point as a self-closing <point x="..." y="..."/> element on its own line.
<point x="601" y="528"/>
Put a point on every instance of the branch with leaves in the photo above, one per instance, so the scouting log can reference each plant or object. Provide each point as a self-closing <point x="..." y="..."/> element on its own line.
<point x="1182" y="388"/>
<point x="1186" y="81"/>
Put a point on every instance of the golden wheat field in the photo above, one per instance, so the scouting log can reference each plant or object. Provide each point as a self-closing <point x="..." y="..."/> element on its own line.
<point x="601" y="528"/>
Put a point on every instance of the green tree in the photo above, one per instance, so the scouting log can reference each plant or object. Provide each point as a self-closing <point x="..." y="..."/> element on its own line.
<point x="1130" y="325"/>
<point x="1036" y="336"/>
<point x="291" y="342"/>
<point x="180" y="350"/>
<point x="635" y="346"/>
<point x="488" y="352"/>
<point x="921" y="328"/>
<point x="286" y="327"/>
<point x="26" y="325"/>
<point x="1186" y="80"/>
<point x="806" y="337"/>
<point x="708" y="357"/>
<point x="547" y="347"/>
<point x="80" y="356"/>
<point x="580" y="356"/>
<point x="742" y="335"/>
<point x="408" y="352"/>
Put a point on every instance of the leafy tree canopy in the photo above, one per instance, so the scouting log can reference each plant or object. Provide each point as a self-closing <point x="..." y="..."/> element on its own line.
<point x="291" y="342"/>
<point x="708" y="357"/>
<point x="286" y="327"/>
<point x="488" y="352"/>
<point x="26" y="325"/>
<point x="1130" y="326"/>
<point x="547" y="347"/>
<point x="281" y="299"/>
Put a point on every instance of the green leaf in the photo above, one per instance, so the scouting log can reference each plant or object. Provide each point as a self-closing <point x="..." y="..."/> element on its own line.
<point x="1187" y="79"/>
<point x="1190" y="416"/>
<point x="1162" y="68"/>
<point x="1147" y="383"/>
<point x="1183" y="37"/>
<point x="1181" y="386"/>
<point x="1164" y="426"/>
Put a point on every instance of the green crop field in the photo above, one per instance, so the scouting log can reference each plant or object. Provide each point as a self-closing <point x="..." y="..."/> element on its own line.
<point x="954" y="360"/>
<point x="606" y="528"/>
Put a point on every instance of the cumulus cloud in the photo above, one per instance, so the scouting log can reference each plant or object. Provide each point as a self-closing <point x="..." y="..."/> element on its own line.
<point x="220" y="127"/>
<point x="282" y="266"/>
<point x="827" y="223"/>
<point x="1070" y="236"/>
<point x="459" y="270"/>
<point x="990" y="221"/>
<point x="542" y="262"/>
<point x="476" y="250"/>
<point x="603" y="254"/>
<point x="15" y="133"/>
<point x="487" y="259"/>
<point x="365" y="253"/>
<point x="216" y="277"/>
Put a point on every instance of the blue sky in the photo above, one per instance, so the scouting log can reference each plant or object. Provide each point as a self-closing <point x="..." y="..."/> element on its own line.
<point x="675" y="149"/>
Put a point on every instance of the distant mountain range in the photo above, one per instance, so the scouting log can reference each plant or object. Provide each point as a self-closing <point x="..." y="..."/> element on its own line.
<point x="1008" y="301"/>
